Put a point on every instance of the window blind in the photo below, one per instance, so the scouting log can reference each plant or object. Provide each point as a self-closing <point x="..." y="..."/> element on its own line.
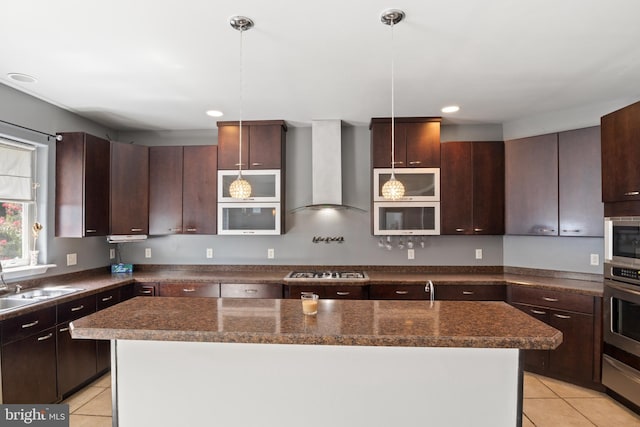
<point x="16" y="171"/>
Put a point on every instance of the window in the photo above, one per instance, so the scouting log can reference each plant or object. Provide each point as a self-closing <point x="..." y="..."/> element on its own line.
<point x="17" y="198"/>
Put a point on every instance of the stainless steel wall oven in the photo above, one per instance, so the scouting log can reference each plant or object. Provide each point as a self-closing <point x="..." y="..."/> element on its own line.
<point x="621" y="332"/>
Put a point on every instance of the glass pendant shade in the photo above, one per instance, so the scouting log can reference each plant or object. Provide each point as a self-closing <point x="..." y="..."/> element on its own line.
<point x="241" y="189"/>
<point x="393" y="189"/>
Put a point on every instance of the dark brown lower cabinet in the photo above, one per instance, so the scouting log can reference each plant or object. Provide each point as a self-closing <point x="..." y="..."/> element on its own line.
<point x="399" y="292"/>
<point x="29" y="369"/>
<point x="328" y="291"/>
<point x="471" y="292"/>
<point x="76" y="361"/>
<point x="244" y="290"/>
<point x="577" y="359"/>
<point x="189" y="289"/>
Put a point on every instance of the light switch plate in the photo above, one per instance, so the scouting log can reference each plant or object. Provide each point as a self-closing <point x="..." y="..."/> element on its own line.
<point x="72" y="259"/>
<point x="112" y="253"/>
<point x="209" y="252"/>
<point x="147" y="252"/>
<point x="478" y="253"/>
<point x="271" y="253"/>
<point x="595" y="259"/>
<point x="411" y="254"/>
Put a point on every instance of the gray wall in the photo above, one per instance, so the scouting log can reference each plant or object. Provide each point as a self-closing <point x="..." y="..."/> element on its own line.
<point x="296" y="247"/>
<point x="30" y="112"/>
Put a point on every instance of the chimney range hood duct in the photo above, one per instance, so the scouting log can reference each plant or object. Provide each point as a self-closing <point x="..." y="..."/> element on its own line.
<point x="326" y="164"/>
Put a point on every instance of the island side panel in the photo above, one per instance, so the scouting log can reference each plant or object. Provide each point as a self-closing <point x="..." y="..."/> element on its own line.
<point x="184" y="383"/>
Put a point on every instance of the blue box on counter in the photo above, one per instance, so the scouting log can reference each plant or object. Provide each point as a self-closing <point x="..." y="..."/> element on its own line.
<point x="121" y="268"/>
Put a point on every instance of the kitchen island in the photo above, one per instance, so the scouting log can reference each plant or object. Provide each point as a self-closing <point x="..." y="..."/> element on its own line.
<point x="244" y="362"/>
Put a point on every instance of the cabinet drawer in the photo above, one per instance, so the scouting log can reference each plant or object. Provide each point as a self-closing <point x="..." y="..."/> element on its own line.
<point x="145" y="290"/>
<point x="241" y="290"/>
<point x="107" y="299"/>
<point x="76" y="309"/>
<point x="399" y="292"/>
<point x="28" y="324"/>
<point x="552" y="299"/>
<point x="189" y="290"/>
<point x="471" y="292"/>
<point x="328" y="291"/>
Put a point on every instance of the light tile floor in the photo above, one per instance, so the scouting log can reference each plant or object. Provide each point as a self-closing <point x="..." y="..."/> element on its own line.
<point x="547" y="403"/>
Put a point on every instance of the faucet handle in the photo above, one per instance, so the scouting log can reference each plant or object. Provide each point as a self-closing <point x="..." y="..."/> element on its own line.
<point x="18" y="288"/>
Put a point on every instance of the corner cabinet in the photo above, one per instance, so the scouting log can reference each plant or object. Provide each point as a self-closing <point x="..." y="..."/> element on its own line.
<point x="82" y="185"/>
<point x="263" y="165"/>
<point x="182" y="190"/>
<point x="129" y="195"/>
<point x="472" y="188"/>
<point x="417" y="142"/>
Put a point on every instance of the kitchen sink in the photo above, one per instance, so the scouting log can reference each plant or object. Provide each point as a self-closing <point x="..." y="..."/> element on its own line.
<point x="12" y="301"/>
<point x="42" y="294"/>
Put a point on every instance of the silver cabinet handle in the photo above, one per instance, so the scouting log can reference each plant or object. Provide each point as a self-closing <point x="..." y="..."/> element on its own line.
<point x="110" y="297"/>
<point x="64" y="329"/>
<point x="398" y="162"/>
<point x="342" y="293"/>
<point x="251" y="291"/>
<point x="571" y="231"/>
<point x="415" y="162"/>
<point x="46" y="337"/>
<point x="145" y="291"/>
<point x="91" y="231"/>
<point x="550" y="299"/>
<point x="240" y="164"/>
<point x="188" y="290"/>
<point x="538" y="312"/>
<point x="192" y="229"/>
<point x="80" y="307"/>
<point x="459" y="230"/>
<point x="256" y="164"/>
<point x="402" y="292"/>
<point x="546" y="230"/>
<point x="30" y="325"/>
<point x="136" y="229"/>
<point x="478" y="230"/>
<point x="467" y="292"/>
<point x="632" y="193"/>
<point x="561" y="316"/>
<point x="175" y="229"/>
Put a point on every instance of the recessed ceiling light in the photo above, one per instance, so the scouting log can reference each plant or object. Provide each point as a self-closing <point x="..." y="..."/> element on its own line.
<point x="214" y="113"/>
<point x="450" y="109"/>
<point x="22" y="78"/>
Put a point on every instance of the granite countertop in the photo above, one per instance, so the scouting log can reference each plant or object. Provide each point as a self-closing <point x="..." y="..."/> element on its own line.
<point x="338" y="322"/>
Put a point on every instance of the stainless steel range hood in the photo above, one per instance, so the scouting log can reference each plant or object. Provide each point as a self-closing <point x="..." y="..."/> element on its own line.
<point x="326" y="164"/>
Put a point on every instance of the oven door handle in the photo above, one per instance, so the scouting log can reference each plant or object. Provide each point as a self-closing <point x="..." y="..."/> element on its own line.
<point x="622" y="288"/>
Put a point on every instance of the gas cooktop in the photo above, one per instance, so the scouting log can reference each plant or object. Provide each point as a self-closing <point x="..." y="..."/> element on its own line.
<point x="354" y="275"/>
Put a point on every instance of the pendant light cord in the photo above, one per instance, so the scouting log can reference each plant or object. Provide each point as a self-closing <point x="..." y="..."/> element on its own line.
<point x="240" y="125"/>
<point x="393" y="125"/>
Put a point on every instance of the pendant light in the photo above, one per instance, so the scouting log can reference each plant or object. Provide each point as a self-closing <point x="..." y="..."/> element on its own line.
<point x="392" y="189"/>
<point x="240" y="188"/>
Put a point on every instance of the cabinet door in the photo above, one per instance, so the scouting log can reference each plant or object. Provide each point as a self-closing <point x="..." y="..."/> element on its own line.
<point x="265" y="146"/>
<point x="456" y="188"/>
<point x="488" y="187"/>
<point x="381" y="144"/>
<point x="103" y="347"/>
<point x="165" y="190"/>
<point x="242" y="290"/>
<point x="76" y="360"/>
<point x="228" y="154"/>
<point x="399" y="292"/>
<point x="82" y="185"/>
<point x="145" y="289"/>
<point x="535" y="360"/>
<point x="531" y="174"/>
<point x="573" y="359"/>
<point x="581" y="209"/>
<point x="200" y="174"/>
<point x="129" y="189"/>
<point x="422" y="144"/>
<point x="29" y="369"/>
<point x="620" y="134"/>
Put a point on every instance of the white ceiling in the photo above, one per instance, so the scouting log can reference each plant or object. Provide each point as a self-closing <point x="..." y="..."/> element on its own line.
<point x="159" y="64"/>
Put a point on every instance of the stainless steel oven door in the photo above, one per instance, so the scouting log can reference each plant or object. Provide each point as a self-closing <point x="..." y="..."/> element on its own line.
<point x="621" y="315"/>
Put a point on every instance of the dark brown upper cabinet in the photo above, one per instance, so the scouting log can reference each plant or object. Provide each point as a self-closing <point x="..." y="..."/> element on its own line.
<point x="82" y="185"/>
<point x="472" y="188"/>
<point x="262" y="144"/>
<point x="129" y="195"/>
<point x="552" y="184"/>
<point x="417" y="142"/>
<point x="182" y="189"/>
<point x="620" y="136"/>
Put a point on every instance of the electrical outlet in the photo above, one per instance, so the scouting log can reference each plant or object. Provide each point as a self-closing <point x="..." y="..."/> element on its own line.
<point x="209" y="252"/>
<point x="112" y="253"/>
<point x="478" y="253"/>
<point x="271" y="253"/>
<point x="595" y="259"/>
<point x="147" y="252"/>
<point x="411" y="254"/>
<point x="72" y="259"/>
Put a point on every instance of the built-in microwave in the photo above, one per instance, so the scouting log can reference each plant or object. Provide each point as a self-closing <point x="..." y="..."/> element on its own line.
<point x="622" y="241"/>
